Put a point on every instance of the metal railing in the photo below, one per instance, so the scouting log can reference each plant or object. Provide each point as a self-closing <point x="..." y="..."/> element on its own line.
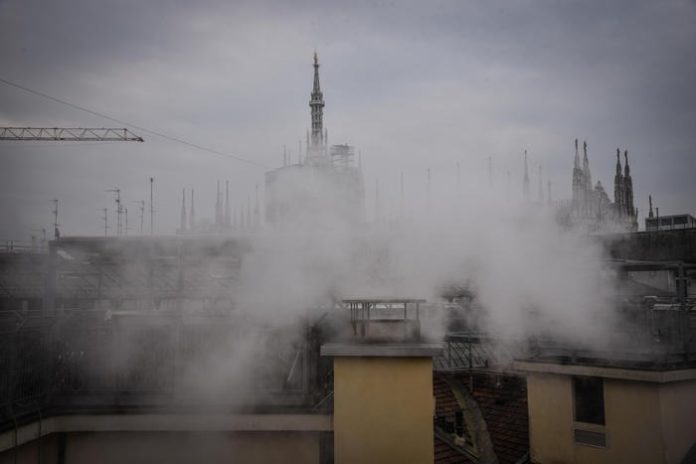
<point x="23" y="246"/>
<point x="659" y="334"/>
<point x="85" y="363"/>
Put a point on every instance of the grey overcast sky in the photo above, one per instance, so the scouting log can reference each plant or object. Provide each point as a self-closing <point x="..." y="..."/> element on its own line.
<point x="413" y="85"/>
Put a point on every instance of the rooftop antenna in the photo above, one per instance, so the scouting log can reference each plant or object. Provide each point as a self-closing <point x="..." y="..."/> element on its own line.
<point x="192" y="213"/>
<point x="105" y="217"/>
<point x="56" y="232"/>
<point x="126" y="216"/>
<point x="119" y="209"/>
<point x="142" y="214"/>
<point x="152" y="206"/>
<point x="227" y="203"/>
<point x="650" y="212"/>
<point x="182" y="224"/>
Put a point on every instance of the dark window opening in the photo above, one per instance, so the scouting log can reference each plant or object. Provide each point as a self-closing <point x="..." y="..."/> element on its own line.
<point x="588" y="395"/>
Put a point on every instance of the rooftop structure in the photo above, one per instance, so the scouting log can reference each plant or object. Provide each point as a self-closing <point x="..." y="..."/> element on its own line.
<point x="671" y="222"/>
<point x="324" y="188"/>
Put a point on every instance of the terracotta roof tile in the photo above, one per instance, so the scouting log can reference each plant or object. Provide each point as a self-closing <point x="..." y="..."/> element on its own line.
<point x="503" y="403"/>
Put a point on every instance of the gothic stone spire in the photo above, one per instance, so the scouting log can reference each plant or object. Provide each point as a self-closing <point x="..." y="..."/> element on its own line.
<point x="316" y="103"/>
<point x="619" y="186"/>
<point x="628" y="188"/>
<point x="578" y="183"/>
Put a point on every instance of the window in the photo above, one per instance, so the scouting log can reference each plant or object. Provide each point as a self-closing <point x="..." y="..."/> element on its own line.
<point x="588" y="397"/>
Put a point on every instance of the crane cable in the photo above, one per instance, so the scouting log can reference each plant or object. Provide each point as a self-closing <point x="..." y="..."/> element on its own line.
<point x="135" y="126"/>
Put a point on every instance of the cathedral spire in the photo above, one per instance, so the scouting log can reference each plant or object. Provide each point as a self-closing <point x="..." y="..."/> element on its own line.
<point x="627" y="169"/>
<point x="587" y="178"/>
<point x="628" y="188"/>
<point x="316" y="89"/>
<point x="586" y="167"/>
<point x="578" y="202"/>
<point x="585" y="161"/>
<point x="619" y="186"/>
<point x="576" y="162"/>
<point x="618" y="162"/>
<point x="316" y="103"/>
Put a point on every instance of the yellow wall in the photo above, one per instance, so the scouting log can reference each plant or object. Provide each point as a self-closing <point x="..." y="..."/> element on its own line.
<point x="550" y="418"/>
<point x="678" y="411"/>
<point x="383" y="410"/>
<point x="645" y="422"/>
<point x="632" y="425"/>
<point x="175" y="447"/>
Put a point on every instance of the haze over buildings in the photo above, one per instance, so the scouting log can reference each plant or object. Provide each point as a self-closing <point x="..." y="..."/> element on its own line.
<point x="450" y="279"/>
<point x="413" y="87"/>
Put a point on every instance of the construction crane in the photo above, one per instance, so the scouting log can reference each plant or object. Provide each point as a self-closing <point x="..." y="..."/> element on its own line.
<point x="72" y="134"/>
<point x="68" y="134"/>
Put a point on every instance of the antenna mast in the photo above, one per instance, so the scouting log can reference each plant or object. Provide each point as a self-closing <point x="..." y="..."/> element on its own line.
<point x="56" y="232"/>
<point x="106" y="218"/>
<point x="119" y="210"/>
<point x="142" y="214"/>
<point x="152" y="207"/>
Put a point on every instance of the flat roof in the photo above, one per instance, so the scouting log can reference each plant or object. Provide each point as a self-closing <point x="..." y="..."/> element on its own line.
<point x="384" y="300"/>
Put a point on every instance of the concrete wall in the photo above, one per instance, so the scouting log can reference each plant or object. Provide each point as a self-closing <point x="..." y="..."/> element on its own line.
<point x="171" y="447"/>
<point x="645" y="422"/>
<point x="383" y="410"/>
